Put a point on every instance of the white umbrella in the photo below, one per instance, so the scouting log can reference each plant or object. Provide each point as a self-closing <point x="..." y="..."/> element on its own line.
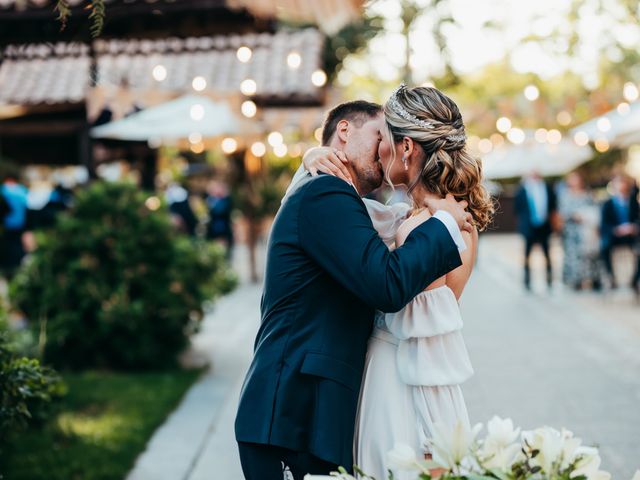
<point x="507" y="161"/>
<point x="173" y="120"/>
<point x="614" y="126"/>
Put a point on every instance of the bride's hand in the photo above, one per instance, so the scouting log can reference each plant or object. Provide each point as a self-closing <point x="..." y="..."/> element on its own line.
<point x="327" y="160"/>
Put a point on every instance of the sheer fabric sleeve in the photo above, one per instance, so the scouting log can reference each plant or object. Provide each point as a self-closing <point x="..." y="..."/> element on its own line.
<point x="386" y="218"/>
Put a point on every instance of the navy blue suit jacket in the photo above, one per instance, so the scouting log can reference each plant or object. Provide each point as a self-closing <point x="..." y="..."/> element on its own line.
<point x="611" y="218"/>
<point x="327" y="271"/>
<point x="523" y="211"/>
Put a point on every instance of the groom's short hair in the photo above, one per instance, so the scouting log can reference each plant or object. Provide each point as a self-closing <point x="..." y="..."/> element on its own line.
<point x="358" y="112"/>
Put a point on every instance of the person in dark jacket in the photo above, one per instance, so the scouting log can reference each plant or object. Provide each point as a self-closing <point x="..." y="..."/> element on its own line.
<point x="620" y="226"/>
<point x="327" y="271"/>
<point x="535" y="206"/>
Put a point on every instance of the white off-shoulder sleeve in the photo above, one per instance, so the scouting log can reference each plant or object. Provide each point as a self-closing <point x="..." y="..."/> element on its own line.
<point x="386" y="218"/>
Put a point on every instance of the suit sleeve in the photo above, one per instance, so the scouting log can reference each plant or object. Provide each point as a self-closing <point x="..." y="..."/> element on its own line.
<point x="336" y="232"/>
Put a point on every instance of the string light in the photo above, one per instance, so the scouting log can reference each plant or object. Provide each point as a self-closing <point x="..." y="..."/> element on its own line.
<point x="623" y="108"/>
<point x="248" y="87"/>
<point x="531" y="92"/>
<point x="195" y="137"/>
<point x="485" y="145"/>
<point x="249" y="109"/>
<point x="554" y="136"/>
<point x="159" y="73"/>
<point x="630" y="92"/>
<point x="503" y="124"/>
<point x="564" y="118"/>
<point x="516" y="136"/>
<point x="199" y="83"/>
<point x="244" y="54"/>
<point x="496" y="139"/>
<point x="229" y="145"/>
<point x="280" y="150"/>
<point x="541" y="135"/>
<point x="294" y="60"/>
<point x="258" y="149"/>
<point x="319" y="78"/>
<point x="152" y="203"/>
<point x="197" y="147"/>
<point x="581" y="138"/>
<point x="602" y="145"/>
<point x="196" y="112"/>
<point x="604" y="125"/>
<point x="275" y="139"/>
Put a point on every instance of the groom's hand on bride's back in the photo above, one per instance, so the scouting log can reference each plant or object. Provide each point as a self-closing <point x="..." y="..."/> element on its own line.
<point x="456" y="209"/>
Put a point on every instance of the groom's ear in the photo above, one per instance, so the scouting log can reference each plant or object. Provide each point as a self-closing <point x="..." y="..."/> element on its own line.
<point x="342" y="130"/>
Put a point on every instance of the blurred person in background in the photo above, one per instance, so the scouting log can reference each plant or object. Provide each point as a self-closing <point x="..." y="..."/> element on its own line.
<point x="580" y="239"/>
<point x="620" y="225"/>
<point x="219" y="207"/>
<point x="14" y="225"/>
<point x="535" y="206"/>
<point x="181" y="212"/>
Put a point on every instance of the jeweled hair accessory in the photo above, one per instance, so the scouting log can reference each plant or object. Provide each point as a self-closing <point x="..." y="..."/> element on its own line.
<point x="461" y="137"/>
<point x="395" y="105"/>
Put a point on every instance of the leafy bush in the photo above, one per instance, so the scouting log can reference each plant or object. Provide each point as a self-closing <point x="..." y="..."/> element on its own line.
<point x="112" y="285"/>
<point x="26" y="388"/>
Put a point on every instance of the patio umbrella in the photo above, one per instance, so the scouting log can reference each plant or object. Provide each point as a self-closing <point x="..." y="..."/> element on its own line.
<point x="615" y="127"/>
<point x="173" y="120"/>
<point x="508" y="161"/>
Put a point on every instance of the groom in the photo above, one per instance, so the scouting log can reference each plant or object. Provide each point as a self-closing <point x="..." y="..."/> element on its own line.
<point x="327" y="271"/>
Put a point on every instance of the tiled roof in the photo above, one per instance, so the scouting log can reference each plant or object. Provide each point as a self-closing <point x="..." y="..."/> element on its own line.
<point x="56" y="73"/>
<point x="39" y="74"/>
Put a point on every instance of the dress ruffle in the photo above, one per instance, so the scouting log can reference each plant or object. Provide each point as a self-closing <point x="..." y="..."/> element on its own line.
<point x="431" y="350"/>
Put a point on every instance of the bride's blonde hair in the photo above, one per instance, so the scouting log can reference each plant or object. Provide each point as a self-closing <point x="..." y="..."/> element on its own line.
<point x="432" y="120"/>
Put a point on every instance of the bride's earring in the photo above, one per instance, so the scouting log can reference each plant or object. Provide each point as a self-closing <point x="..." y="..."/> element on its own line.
<point x="405" y="162"/>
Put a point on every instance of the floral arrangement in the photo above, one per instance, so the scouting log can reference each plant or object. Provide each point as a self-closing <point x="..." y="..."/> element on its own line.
<point x="505" y="453"/>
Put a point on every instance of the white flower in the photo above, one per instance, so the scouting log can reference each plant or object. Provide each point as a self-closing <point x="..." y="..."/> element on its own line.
<point x="500" y="433"/>
<point x="570" y="448"/>
<point x="549" y="443"/>
<point x="588" y="464"/>
<point x="636" y="476"/>
<point x="403" y="457"/>
<point x="500" y="459"/>
<point x="499" y="450"/>
<point x="451" y="446"/>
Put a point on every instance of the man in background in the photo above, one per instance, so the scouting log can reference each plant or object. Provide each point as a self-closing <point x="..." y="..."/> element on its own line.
<point x="535" y="206"/>
<point x="620" y="225"/>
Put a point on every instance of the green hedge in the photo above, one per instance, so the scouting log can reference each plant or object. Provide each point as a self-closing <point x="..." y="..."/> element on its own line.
<point x="113" y="285"/>
<point x="26" y="387"/>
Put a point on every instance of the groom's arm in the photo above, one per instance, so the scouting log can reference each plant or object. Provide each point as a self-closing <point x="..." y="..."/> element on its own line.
<point x="336" y="231"/>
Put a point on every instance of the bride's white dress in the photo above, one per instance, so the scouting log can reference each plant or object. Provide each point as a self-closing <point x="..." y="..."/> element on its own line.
<point x="415" y="364"/>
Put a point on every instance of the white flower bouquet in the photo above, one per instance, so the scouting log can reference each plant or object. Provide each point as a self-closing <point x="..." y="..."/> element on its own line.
<point x="505" y="453"/>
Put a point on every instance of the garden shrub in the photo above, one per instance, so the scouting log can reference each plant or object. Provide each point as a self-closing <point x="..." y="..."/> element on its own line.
<point x="113" y="285"/>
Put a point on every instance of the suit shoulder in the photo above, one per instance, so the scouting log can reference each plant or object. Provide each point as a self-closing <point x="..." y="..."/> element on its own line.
<point x="325" y="184"/>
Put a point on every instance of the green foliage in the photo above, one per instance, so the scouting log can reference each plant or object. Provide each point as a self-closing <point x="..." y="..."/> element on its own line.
<point x="99" y="429"/>
<point x="259" y="196"/>
<point x="112" y="285"/>
<point x="97" y="13"/>
<point x="26" y="387"/>
<point x="353" y="38"/>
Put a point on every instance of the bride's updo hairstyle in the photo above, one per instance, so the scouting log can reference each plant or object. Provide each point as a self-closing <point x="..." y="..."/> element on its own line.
<point x="432" y="120"/>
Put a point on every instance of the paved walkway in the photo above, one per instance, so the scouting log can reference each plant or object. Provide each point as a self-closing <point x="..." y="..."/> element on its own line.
<point x="553" y="358"/>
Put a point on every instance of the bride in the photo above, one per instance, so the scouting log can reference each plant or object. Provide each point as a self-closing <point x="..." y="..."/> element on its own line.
<point x="416" y="357"/>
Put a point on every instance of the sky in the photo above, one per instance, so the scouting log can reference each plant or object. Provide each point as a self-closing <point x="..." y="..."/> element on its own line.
<point x="473" y="45"/>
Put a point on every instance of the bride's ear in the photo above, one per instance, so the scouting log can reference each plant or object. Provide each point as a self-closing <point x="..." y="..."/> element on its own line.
<point x="408" y="146"/>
